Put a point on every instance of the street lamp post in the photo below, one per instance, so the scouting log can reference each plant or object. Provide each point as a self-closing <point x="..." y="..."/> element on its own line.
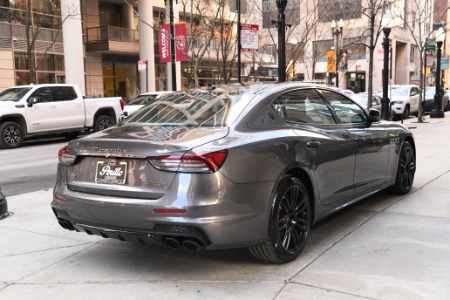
<point x="337" y="32"/>
<point x="281" y="26"/>
<point x="437" y="111"/>
<point x="385" y="102"/>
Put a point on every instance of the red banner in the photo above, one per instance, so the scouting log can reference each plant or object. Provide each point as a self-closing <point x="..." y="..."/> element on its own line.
<point x="164" y="43"/>
<point x="181" y="48"/>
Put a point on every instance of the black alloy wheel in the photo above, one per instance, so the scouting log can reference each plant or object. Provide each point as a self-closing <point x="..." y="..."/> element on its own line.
<point x="289" y="223"/>
<point x="11" y="135"/>
<point x="405" y="171"/>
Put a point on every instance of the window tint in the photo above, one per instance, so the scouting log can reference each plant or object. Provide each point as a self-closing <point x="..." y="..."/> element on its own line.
<point x="303" y="106"/>
<point x="13" y="94"/>
<point x="64" y="93"/>
<point x="346" y="110"/>
<point x="45" y="94"/>
<point x="142" y="100"/>
<point x="201" y="108"/>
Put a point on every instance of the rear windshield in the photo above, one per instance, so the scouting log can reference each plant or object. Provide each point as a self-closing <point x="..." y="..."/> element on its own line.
<point x="13" y="94"/>
<point x="202" y="108"/>
<point x="142" y="99"/>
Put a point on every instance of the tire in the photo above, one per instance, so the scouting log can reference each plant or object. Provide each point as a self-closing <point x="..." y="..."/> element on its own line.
<point x="102" y="122"/>
<point x="406" y="113"/>
<point x="405" y="170"/>
<point x="289" y="223"/>
<point x="11" y="135"/>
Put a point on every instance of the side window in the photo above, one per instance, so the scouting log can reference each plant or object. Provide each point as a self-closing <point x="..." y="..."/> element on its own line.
<point x="45" y="94"/>
<point x="64" y="93"/>
<point x="346" y="110"/>
<point x="303" y="106"/>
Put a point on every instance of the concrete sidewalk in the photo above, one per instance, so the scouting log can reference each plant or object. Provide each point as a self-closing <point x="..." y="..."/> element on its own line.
<point x="385" y="247"/>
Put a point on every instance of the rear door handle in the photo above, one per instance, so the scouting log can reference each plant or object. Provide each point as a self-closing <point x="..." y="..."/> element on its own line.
<point x="313" y="144"/>
<point x="360" y="139"/>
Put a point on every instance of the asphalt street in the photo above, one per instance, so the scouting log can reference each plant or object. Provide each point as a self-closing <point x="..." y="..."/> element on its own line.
<point x="384" y="247"/>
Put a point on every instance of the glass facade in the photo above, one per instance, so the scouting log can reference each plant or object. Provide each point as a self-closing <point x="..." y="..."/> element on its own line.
<point x="120" y="76"/>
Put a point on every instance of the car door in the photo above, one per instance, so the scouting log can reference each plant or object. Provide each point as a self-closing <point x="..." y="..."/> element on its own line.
<point x="329" y="147"/>
<point x="69" y="108"/>
<point x="371" y="142"/>
<point x="41" y="115"/>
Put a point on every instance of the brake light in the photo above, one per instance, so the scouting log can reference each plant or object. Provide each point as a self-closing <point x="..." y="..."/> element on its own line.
<point x="122" y="103"/>
<point x="190" y="162"/>
<point x="66" y="156"/>
<point x="61" y="198"/>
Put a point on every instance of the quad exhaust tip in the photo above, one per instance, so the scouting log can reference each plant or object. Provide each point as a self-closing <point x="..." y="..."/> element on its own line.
<point x="189" y="244"/>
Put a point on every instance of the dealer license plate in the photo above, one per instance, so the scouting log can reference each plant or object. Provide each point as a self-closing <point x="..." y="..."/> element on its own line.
<point x="111" y="172"/>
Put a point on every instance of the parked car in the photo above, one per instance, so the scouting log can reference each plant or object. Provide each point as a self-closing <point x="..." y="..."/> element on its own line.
<point x="141" y="100"/>
<point x="363" y="100"/>
<point x="43" y="109"/>
<point x="348" y="92"/>
<point x="231" y="166"/>
<point x="404" y="100"/>
<point x="428" y="103"/>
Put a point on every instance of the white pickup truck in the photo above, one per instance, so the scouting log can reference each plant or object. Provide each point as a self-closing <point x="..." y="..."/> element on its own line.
<point x="43" y="109"/>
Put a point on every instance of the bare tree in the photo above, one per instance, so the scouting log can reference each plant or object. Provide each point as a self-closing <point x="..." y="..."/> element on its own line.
<point x="299" y="30"/>
<point x="418" y="20"/>
<point x="373" y="11"/>
<point x="37" y="15"/>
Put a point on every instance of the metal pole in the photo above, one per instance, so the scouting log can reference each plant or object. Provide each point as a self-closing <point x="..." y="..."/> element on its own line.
<point x="172" y="46"/>
<point x="385" y="102"/>
<point x="437" y="111"/>
<point x="239" y="39"/>
<point x="337" y="59"/>
<point x="281" y="4"/>
<point x="146" y="75"/>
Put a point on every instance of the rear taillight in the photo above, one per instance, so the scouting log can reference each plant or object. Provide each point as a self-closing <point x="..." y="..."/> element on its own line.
<point x="122" y="103"/>
<point x="190" y="162"/>
<point x="66" y="156"/>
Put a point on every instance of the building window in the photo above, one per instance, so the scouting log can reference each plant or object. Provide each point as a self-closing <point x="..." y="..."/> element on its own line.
<point x="320" y="49"/>
<point x="20" y="61"/>
<point x="412" y="54"/>
<point x="338" y="9"/>
<point x="355" y="49"/>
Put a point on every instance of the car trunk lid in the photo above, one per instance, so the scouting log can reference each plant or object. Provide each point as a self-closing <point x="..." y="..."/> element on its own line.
<point x="115" y="162"/>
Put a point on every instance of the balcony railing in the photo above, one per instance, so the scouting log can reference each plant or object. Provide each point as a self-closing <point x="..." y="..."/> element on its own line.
<point x="110" y="33"/>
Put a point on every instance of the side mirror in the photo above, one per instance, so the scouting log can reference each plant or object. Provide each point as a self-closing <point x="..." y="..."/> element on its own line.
<point x="374" y="115"/>
<point x="33" y="100"/>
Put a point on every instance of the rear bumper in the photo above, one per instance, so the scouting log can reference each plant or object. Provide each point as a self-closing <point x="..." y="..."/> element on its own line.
<point x="218" y="215"/>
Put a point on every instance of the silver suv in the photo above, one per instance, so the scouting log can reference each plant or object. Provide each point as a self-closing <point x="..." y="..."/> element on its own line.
<point x="404" y="100"/>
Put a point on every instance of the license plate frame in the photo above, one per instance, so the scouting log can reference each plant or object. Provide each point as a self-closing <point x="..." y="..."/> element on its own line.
<point x="111" y="172"/>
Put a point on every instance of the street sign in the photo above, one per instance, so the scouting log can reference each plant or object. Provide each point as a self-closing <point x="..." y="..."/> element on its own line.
<point x="142" y="65"/>
<point x="429" y="59"/>
<point x="249" y="37"/>
<point x="444" y="62"/>
<point x="331" y="61"/>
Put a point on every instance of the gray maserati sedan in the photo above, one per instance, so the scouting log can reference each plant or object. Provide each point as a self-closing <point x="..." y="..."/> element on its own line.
<point x="231" y="166"/>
